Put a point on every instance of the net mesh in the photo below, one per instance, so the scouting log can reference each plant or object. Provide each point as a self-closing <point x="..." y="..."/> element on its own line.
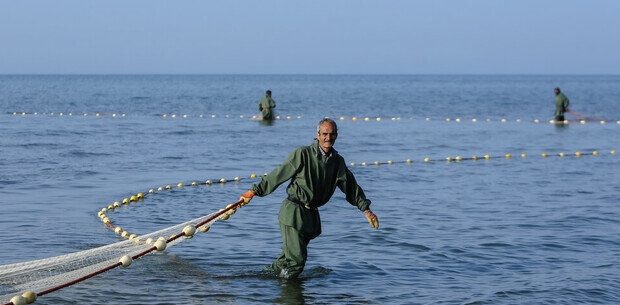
<point x="45" y="274"/>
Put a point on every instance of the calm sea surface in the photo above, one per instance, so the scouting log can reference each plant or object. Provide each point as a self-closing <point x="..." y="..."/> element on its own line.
<point x="503" y="231"/>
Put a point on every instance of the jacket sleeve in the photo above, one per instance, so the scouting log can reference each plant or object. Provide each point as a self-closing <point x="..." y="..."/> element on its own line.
<point x="279" y="175"/>
<point x="272" y="103"/>
<point x="353" y="192"/>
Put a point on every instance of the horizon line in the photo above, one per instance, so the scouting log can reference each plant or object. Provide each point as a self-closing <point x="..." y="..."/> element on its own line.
<point x="309" y="74"/>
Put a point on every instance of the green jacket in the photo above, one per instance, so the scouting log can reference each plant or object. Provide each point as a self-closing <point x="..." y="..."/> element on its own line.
<point x="561" y="104"/>
<point x="314" y="179"/>
<point x="265" y="105"/>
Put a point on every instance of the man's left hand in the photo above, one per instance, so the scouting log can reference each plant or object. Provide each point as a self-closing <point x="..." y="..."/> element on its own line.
<point x="373" y="220"/>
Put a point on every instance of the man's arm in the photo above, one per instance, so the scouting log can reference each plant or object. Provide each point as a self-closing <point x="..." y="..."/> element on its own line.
<point x="353" y="192"/>
<point x="355" y="196"/>
<point x="279" y="175"/>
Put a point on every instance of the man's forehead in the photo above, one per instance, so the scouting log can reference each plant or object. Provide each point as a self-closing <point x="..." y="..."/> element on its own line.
<point x="327" y="126"/>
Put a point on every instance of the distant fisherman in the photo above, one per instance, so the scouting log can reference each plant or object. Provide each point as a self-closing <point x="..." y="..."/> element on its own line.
<point x="561" y="105"/>
<point x="265" y="105"/>
<point x="314" y="172"/>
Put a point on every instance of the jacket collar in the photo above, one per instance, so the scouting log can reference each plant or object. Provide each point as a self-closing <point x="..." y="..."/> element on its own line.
<point x="318" y="152"/>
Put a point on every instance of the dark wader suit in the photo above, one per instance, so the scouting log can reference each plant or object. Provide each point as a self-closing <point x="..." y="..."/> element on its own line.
<point x="561" y="106"/>
<point x="265" y="106"/>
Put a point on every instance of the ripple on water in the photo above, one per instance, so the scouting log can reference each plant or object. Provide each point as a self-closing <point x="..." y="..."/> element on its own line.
<point x="186" y="132"/>
<point x="84" y="154"/>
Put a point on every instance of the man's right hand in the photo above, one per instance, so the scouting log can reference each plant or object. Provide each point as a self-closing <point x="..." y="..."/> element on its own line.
<point x="247" y="196"/>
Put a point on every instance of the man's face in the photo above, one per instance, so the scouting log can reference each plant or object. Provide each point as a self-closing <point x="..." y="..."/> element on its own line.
<point x="556" y="91"/>
<point x="327" y="136"/>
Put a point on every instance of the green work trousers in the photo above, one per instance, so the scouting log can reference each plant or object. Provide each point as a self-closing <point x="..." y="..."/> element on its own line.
<point x="298" y="225"/>
<point x="294" y="253"/>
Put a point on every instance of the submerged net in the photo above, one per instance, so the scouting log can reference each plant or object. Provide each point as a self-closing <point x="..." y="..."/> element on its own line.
<point x="50" y="274"/>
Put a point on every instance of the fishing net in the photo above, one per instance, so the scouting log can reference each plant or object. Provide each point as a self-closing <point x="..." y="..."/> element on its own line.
<point x="50" y="274"/>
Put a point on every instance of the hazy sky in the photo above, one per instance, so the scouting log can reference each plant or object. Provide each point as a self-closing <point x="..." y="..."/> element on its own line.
<point x="316" y="36"/>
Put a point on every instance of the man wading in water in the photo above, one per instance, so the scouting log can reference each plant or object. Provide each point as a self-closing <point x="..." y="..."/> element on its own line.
<point x="314" y="171"/>
<point x="266" y="105"/>
<point x="561" y="105"/>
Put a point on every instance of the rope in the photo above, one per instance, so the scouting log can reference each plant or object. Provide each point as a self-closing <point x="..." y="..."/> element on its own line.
<point x="581" y="116"/>
<point x="580" y="119"/>
<point x="457" y="158"/>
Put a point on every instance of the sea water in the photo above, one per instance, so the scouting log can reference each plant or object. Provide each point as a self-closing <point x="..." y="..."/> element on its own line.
<point x="523" y="230"/>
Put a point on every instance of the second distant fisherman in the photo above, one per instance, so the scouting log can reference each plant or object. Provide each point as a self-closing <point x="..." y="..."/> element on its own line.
<point x="266" y="105"/>
<point x="561" y="105"/>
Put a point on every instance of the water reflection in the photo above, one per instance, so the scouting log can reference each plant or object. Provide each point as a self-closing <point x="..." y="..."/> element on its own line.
<point x="266" y="122"/>
<point x="560" y="126"/>
<point x="292" y="292"/>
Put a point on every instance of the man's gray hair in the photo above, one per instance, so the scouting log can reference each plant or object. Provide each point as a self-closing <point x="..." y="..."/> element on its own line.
<point x="326" y="120"/>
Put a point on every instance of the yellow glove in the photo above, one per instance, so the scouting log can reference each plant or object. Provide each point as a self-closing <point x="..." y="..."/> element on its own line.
<point x="373" y="220"/>
<point x="247" y="196"/>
